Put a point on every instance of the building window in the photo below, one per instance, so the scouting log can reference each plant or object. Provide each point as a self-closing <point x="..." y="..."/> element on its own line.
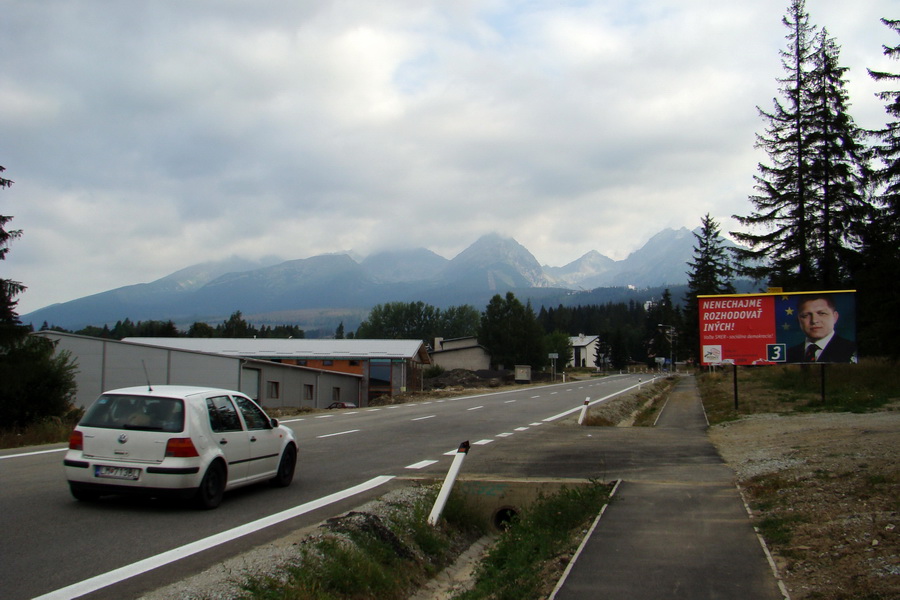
<point x="327" y="363"/>
<point x="354" y="363"/>
<point x="273" y="390"/>
<point x="308" y="391"/>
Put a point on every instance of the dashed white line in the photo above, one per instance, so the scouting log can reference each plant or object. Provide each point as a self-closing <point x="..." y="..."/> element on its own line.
<point x="421" y="464"/>
<point x="521" y="429"/>
<point x="475" y="408"/>
<point x="324" y="416"/>
<point x="503" y="435"/>
<point x="328" y="435"/>
<point x="509" y="401"/>
<point x="481" y="443"/>
<point x="423" y="418"/>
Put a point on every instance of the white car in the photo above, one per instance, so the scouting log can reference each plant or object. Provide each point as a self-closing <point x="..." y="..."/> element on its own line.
<point x="191" y="441"/>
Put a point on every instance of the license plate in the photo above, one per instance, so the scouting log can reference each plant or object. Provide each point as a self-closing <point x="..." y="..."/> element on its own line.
<point x="117" y="472"/>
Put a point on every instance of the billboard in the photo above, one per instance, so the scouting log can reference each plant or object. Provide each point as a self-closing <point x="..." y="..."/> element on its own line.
<point x="762" y="329"/>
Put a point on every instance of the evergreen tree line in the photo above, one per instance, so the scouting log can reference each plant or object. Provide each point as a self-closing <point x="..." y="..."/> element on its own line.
<point x="235" y="327"/>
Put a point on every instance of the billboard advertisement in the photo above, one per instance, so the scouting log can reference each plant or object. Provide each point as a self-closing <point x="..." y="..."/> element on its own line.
<point x="761" y="329"/>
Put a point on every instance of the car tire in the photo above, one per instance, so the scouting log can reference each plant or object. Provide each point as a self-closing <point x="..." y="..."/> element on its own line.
<point x="212" y="487"/>
<point x="83" y="494"/>
<point x="286" y="467"/>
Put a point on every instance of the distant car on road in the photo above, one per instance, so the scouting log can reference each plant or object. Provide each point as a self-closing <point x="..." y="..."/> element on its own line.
<point x="195" y="442"/>
<point x="341" y="405"/>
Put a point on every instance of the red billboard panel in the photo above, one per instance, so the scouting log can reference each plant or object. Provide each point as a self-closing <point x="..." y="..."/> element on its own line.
<point x="760" y="329"/>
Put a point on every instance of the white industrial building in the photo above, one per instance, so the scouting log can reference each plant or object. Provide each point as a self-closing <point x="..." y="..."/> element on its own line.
<point x="109" y="364"/>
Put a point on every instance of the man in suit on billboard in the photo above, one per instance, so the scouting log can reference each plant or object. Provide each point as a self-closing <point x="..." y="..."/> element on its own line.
<point x="818" y="316"/>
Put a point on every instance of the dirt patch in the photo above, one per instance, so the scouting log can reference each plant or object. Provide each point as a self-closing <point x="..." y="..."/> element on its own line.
<point x="824" y="490"/>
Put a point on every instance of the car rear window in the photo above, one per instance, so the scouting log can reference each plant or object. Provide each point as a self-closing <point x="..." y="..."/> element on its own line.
<point x="115" y="411"/>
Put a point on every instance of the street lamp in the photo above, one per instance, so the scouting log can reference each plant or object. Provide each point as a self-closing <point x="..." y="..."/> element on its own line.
<point x="671" y="335"/>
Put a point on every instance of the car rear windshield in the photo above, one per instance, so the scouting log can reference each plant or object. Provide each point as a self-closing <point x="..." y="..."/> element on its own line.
<point x="115" y="411"/>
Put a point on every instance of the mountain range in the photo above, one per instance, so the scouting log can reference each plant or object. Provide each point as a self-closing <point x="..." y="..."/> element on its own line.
<point x="318" y="290"/>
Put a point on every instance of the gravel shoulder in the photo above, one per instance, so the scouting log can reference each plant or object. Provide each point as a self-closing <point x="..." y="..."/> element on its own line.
<point x="824" y="490"/>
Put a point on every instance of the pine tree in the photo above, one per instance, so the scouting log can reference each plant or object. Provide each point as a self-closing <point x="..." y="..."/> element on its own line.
<point x="711" y="274"/>
<point x="782" y="202"/>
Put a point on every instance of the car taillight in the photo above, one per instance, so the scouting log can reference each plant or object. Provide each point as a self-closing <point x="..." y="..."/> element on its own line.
<point x="181" y="448"/>
<point x="76" y="440"/>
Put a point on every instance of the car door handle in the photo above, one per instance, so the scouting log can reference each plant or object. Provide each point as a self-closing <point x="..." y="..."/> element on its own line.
<point x="253" y="438"/>
<point x="223" y="441"/>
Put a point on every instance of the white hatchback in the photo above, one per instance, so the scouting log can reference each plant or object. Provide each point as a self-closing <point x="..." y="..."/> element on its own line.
<point x="190" y="441"/>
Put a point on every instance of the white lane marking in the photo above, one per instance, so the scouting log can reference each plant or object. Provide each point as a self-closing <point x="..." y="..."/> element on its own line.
<point x="579" y="407"/>
<point x="290" y="420"/>
<point x="350" y="413"/>
<point x="423" y="418"/>
<point x="535" y="424"/>
<point x="324" y="416"/>
<point x="480" y="443"/>
<point x="451" y="453"/>
<point x="373" y="410"/>
<point x="328" y="435"/>
<point x="533" y="397"/>
<point x="505" y="435"/>
<point x="35" y="453"/>
<point x="508" y="401"/>
<point x="521" y="429"/>
<point x="154" y="562"/>
<point x="422" y="464"/>
<point x="553" y="393"/>
<point x="475" y="408"/>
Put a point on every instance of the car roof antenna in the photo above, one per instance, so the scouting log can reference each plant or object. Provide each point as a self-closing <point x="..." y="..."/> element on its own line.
<point x="147" y="375"/>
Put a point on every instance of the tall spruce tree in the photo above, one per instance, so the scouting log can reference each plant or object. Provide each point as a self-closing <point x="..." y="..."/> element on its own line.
<point x="877" y="281"/>
<point x="11" y="329"/>
<point x="711" y="274"/>
<point x="781" y="253"/>
<point x="36" y="382"/>
<point x="838" y="207"/>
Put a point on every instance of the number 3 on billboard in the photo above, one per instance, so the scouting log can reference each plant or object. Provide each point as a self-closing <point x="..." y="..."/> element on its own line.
<point x="776" y="352"/>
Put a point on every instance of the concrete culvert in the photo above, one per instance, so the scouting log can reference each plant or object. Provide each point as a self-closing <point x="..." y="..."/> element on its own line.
<point x="503" y="517"/>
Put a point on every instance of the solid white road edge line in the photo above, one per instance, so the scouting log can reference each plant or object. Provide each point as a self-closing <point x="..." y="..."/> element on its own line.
<point x="35" y="453"/>
<point x="577" y="408"/>
<point x="148" y="564"/>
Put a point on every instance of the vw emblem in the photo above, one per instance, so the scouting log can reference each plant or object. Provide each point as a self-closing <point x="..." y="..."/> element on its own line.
<point x="123" y="438"/>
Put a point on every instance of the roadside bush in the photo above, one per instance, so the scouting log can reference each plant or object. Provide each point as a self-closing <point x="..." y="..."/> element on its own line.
<point x="36" y="383"/>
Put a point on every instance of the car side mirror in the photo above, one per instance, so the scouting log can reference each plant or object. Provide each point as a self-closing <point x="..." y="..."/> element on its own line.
<point x="274" y="423"/>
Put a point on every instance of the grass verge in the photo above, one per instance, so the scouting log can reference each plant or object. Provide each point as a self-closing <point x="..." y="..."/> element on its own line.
<point x="379" y="553"/>
<point x="863" y="387"/>
<point x="52" y="430"/>
<point x="526" y="557"/>
<point x="386" y="550"/>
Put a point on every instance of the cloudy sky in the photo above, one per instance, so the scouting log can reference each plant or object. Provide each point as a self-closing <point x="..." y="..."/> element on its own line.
<point x="149" y="135"/>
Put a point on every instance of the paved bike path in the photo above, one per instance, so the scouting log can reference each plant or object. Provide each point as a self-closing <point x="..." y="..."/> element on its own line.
<point x="677" y="532"/>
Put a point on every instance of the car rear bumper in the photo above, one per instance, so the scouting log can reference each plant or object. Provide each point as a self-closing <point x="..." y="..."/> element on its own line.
<point x="151" y="476"/>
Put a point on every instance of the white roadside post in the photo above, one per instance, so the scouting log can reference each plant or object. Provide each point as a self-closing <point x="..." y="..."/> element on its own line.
<point x="584" y="408"/>
<point x="447" y="486"/>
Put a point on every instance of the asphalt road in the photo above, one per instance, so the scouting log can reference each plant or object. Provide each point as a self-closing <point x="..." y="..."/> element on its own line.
<point x="56" y="547"/>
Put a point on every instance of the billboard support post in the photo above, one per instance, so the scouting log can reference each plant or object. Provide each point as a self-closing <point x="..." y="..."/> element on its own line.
<point x="735" y="388"/>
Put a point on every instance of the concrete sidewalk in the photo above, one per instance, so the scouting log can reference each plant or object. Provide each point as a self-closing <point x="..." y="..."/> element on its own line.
<point x="683" y="533"/>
